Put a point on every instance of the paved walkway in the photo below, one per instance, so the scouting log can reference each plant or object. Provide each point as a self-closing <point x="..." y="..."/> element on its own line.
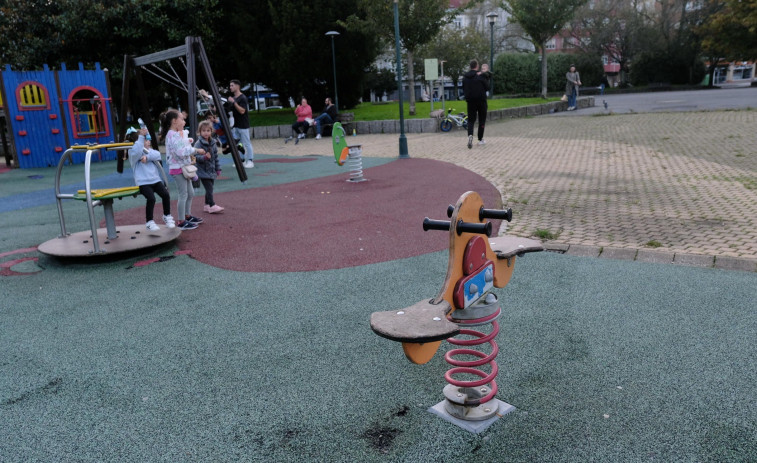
<point x="677" y="187"/>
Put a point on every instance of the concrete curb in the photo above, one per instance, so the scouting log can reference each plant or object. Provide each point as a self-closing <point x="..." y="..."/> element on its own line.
<point x="655" y="257"/>
<point x="430" y="125"/>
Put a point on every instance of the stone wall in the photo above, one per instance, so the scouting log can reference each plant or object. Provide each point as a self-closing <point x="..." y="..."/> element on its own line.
<point x="430" y="125"/>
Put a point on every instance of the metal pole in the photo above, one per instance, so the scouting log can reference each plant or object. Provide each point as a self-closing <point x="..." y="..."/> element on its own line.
<point x="491" y="58"/>
<point x="403" y="140"/>
<point x="333" y="65"/>
<point x="444" y="110"/>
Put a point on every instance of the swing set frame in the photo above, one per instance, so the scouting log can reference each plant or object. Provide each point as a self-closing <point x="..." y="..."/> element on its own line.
<point x="188" y="54"/>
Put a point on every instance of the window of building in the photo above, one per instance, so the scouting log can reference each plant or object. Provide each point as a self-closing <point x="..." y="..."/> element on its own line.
<point x="32" y="96"/>
<point x="743" y="72"/>
<point x="551" y="44"/>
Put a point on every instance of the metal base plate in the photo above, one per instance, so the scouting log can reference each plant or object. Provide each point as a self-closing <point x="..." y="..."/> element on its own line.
<point x="475" y="427"/>
<point x="130" y="238"/>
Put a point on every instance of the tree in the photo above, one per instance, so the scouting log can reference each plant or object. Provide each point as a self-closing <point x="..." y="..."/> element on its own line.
<point x="542" y="20"/>
<point x="729" y="33"/>
<point x="302" y="62"/>
<point x="468" y="43"/>
<point x="379" y="81"/>
<point x="616" y="29"/>
<point x="28" y="36"/>
<point x="419" y="22"/>
<point x="281" y="45"/>
<point x="33" y="33"/>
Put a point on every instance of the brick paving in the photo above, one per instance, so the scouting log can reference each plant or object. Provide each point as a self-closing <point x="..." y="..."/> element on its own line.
<point x="665" y="187"/>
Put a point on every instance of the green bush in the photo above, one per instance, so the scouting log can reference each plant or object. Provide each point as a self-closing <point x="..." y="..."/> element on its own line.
<point x="656" y="67"/>
<point x="520" y="73"/>
<point x="517" y="73"/>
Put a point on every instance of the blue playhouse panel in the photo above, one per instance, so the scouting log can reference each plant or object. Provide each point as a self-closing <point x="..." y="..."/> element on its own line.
<point x="40" y="132"/>
<point x="72" y="80"/>
<point x="37" y="132"/>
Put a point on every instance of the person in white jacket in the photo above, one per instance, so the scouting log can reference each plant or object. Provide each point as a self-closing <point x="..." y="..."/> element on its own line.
<point x="147" y="177"/>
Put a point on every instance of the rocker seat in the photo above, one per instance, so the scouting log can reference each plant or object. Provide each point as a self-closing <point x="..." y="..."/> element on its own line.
<point x="508" y="246"/>
<point x="422" y="322"/>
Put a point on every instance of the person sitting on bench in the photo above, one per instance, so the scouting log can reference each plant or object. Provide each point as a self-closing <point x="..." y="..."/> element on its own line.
<point x="328" y="116"/>
<point x="304" y="114"/>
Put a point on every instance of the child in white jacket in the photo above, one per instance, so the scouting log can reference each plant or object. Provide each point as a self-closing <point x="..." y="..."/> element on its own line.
<point x="147" y="177"/>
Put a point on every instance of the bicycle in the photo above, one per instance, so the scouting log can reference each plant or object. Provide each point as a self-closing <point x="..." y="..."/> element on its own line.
<point x="461" y="120"/>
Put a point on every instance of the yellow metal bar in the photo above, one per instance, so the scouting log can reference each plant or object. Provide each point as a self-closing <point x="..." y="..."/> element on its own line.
<point x="107" y="146"/>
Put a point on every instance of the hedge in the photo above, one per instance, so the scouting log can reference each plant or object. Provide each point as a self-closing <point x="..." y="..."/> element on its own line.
<point x="520" y="73"/>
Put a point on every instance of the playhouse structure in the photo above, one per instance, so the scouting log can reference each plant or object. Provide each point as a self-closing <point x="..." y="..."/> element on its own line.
<point x="47" y="111"/>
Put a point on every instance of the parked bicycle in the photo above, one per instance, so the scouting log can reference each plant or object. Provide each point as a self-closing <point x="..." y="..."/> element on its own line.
<point x="461" y="120"/>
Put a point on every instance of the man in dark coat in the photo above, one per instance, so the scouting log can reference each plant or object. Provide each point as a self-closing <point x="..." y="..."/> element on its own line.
<point x="475" y="86"/>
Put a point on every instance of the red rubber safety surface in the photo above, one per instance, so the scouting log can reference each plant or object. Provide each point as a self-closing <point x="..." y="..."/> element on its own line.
<point x="328" y="223"/>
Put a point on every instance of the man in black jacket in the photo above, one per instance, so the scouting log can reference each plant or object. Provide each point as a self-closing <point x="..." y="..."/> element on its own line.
<point x="475" y="86"/>
<point x="328" y="116"/>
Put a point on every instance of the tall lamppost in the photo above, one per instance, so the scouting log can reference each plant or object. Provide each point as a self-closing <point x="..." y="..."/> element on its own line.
<point x="492" y="19"/>
<point x="444" y="110"/>
<point x="403" y="139"/>
<point x="333" y="34"/>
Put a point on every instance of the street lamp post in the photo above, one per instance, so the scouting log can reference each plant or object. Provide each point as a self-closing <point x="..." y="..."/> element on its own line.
<point x="403" y="140"/>
<point x="444" y="110"/>
<point x="333" y="34"/>
<point x="492" y="19"/>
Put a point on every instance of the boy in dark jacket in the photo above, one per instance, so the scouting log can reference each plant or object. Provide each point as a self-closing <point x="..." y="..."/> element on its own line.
<point x="475" y="86"/>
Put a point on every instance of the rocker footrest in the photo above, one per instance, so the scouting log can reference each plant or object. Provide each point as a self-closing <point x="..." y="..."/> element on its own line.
<point x="508" y="246"/>
<point x="420" y="323"/>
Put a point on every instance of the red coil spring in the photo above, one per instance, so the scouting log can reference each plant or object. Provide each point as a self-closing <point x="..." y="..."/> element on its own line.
<point x="462" y="366"/>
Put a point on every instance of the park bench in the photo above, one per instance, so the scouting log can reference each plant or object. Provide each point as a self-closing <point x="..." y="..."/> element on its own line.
<point x="346" y="119"/>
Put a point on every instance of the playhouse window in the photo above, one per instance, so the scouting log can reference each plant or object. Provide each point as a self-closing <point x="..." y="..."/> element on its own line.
<point x="86" y="107"/>
<point x="32" y="96"/>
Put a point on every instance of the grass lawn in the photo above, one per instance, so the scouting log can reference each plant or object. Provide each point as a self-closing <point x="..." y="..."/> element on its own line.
<point x="389" y="110"/>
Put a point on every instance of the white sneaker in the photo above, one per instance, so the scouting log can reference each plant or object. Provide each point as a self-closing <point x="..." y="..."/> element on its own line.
<point x="470" y="141"/>
<point x="248" y="164"/>
<point x="482" y="142"/>
<point x="168" y="220"/>
<point x="318" y="137"/>
<point x="152" y="226"/>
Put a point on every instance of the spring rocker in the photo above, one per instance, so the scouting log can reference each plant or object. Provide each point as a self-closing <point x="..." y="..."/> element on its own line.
<point x="353" y="155"/>
<point x="477" y="264"/>
<point x="101" y="241"/>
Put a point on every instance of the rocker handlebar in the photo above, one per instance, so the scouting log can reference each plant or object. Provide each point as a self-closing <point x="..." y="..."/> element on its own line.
<point x="429" y="224"/>
<point x="462" y="227"/>
<point x="506" y="214"/>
